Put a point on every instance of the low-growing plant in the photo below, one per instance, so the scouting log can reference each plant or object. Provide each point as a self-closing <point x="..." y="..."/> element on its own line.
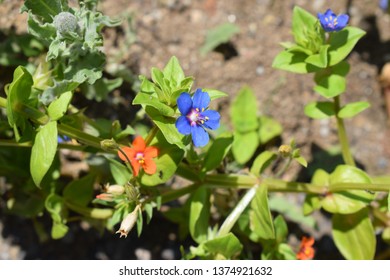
<point x="226" y="205"/>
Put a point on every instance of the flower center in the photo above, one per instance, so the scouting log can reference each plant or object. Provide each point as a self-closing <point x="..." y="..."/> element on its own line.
<point x="331" y="22"/>
<point x="140" y="157"/>
<point x="196" y="118"/>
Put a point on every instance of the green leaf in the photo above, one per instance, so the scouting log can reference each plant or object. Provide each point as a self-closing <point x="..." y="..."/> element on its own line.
<point x="199" y="214"/>
<point x="169" y="157"/>
<point x="244" y="111"/>
<point x="173" y="71"/>
<point x="320" y="110"/>
<point x="303" y="24"/>
<point x="18" y="93"/>
<point x="58" y="108"/>
<point x="301" y="160"/>
<point x="59" y="88"/>
<point x="119" y="172"/>
<point x="312" y="202"/>
<point x="47" y="9"/>
<point x="269" y="128"/>
<point x="290" y="210"/>
<point x="354" y="235"/>
<point x="45" y="32"/>
<point x="281" y="229"/>
<point x="215" y="94"/>
<point x="320" y="59"/>
<point x="101" y="88"/>
<point x="331" y="82"/>
<point x="285" y="252"/>
<point x="352" y="109"/>
<point x="148" y="207"/>
<point x="80" y="191"/>
<point x="167" y="127"/>
<point x="260" y="216"/>
<point x="149" y="100"/>
<point x="388" y="202"/>
<point x="347" y="202"/>
<point x="262" y="161"/>
<point x="219" y="35"/>
<point x="244" y="146"/>
<point x="342" y="43"/>
<point x="87" y="68"/>
<point x="43" y="151"/>
<point x="54" y="204"/>
<point x="217" y="151"/>
<point x="293" y="62"/>
<point x="228" y="246"/>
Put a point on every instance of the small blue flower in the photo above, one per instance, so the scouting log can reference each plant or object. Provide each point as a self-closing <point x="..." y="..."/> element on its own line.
<point x="330" y="22"/>
<point x="62" y="139"/>
<point x="384" y="4"/>
<point x="195" y="117"/>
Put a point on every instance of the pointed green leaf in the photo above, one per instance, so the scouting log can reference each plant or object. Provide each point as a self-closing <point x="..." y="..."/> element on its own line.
<point x="320" y="59"/>
<point x="244" y="146"/>
<point x="18" y="93"/>
<point x="331" y="82"/>
<point x="354" y="235"/>
<point x="217" y="151"/>
<point x="303" y="24"/>
<point x="312" y="202"/>
<point x="352" y="109"/>
<point x="228" y="246"/>
<point x="215" y="94"/>
<point x="173" y="71"/>
<point x="281" y="229"/>
<point x="80" y="191"/>
<point x="262" y="161"/>
<point x="347" y="202"/>
<point x="147" y="99"/>
<point x="319" y="110"/>
<point x="293" y="62"/>
<point x="244" y="111"/>
<point x="342" y="43"/>
<point x="167" y="127"/>
<point x="47" y="9"/>
<point x="260" y="215"/>
<point x="58" y="107"/>
<point x="269" y="128"/>
<point x="43" y="151"/>
<point x="119" y="172"/>
<point x="199" y="214"/>
<point x="169" y="157"/>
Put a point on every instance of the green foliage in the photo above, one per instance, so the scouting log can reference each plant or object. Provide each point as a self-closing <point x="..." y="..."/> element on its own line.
<point x="217" y="151"/>
<point x="320" y="110"/>
<point x="352" y="229"/>
<point x="224" y="247"/>
<point x="219" y="35"/>
<point x="199" y="214"/>
<point x="43" y="151"/>
<point x="352" y="109"/>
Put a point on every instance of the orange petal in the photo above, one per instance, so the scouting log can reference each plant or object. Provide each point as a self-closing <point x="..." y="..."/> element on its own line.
<point x="139" y="144"/>
<point x="149" y="166"/>
<point x="151" y="152"/>
<point x="136" y="166"/>
<point x="130" y="153"/>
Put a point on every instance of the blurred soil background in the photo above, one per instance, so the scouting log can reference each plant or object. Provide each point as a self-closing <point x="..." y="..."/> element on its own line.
<point x="152" y="32"/>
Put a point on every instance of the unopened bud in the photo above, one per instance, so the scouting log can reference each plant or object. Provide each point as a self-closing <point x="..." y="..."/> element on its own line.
<point x="129" y="222"/>
<point x="105" y="196"/>
<point x="132" y="192"/>
<point x="109" y="145"/>
<point x="285" y="151"/>
<point x="66" y="23"/>
<point x="114" y="189"/>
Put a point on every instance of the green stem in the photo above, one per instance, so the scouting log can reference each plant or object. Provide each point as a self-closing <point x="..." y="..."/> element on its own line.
<point x="284" y="168"/>
<point x="237" y="211"/>
<point x="174" y="194"/>
<point x="345" y="149"/>
<point x="81" y="136"/>
<point x="151" y="135"/>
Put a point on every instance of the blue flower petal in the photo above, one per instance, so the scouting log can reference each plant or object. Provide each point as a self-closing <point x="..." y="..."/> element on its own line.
<point x="201" y="99"/>
<point x="213" y="119"/>
<point x="342" y="21"/>
<point x="184" y="103"/>
<point x="183" y="126"/>
<point x="329" y="13"/>
<point x="199" y="136"/>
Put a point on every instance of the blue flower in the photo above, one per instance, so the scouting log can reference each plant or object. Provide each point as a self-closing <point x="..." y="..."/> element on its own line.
<point x="62" y="139"/>
<point x="330" y="22"/>
<point x="384" y="4"/>
<point x="195" y="117"/>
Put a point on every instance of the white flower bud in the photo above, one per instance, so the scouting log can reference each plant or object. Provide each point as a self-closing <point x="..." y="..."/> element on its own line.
<point x="128" y="222"/>
<point x="115" y="189"/>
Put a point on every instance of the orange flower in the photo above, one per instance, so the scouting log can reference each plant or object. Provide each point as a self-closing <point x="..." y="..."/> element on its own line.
<point x="306" y="250"/>
<point x="140" y="156"/>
